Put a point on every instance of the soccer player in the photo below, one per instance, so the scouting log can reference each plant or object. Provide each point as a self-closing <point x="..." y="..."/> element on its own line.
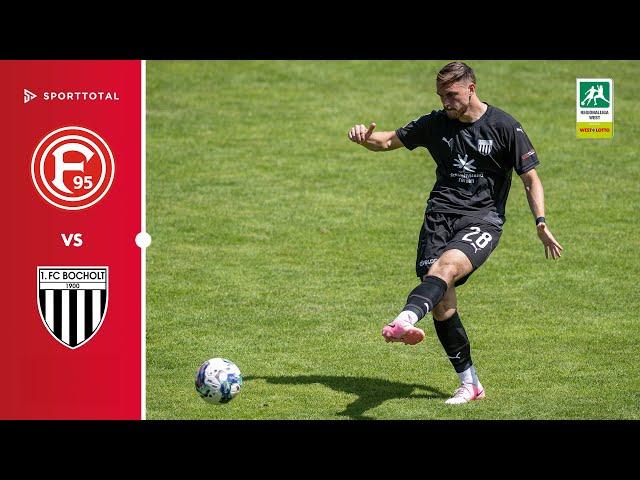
<point x="475" y="146"/>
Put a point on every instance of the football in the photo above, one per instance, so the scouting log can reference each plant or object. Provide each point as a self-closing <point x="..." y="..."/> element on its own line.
<point x="218" y="380"/>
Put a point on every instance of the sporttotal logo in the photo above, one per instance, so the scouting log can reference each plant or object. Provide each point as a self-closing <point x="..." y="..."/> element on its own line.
<point x="72" y="96"/>
<point x="594" y="107"/>
<point x="72" y="168"/>
<point x="27" y="96"/>
<point x="72" y="302"/>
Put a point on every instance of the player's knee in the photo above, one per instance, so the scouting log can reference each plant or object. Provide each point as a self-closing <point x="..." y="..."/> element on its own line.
<point x="444" y="311"/>
<point x="445" y="270"/>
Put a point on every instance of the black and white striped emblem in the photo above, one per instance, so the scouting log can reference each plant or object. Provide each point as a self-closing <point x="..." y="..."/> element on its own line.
<point x="484" y="146"/>
<point x="72" y="302"/>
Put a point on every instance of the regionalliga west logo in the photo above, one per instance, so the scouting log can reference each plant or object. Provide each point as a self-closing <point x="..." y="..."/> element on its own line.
<point x="594" y="107"/>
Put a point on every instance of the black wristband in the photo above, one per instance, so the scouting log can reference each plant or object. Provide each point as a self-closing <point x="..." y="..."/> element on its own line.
<point x="540" y="220"/>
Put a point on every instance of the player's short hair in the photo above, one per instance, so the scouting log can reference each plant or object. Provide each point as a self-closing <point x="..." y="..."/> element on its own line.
<point x="455" y="72"/>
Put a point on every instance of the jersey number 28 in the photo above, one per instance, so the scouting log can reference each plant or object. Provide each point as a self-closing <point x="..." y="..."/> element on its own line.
<point x="481" y="241"/>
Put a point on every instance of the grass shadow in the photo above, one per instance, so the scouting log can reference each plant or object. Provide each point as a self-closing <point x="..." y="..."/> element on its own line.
<point x="371" y="392"/>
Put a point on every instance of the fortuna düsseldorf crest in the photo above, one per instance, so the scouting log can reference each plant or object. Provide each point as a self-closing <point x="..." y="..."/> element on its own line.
<point x="72" y="302"/>
<point x="72" y="168"/>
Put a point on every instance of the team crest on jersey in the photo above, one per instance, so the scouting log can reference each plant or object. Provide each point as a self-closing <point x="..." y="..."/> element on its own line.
<point x="72" y="302"/>
<point x="484" y="146"/>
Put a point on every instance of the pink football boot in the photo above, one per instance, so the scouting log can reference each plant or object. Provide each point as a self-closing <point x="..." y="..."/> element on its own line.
<point x="466" y="393"/>
<point x="402" y="331"/>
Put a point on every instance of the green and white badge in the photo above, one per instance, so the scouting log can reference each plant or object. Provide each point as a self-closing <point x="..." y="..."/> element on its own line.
<point x="594" y="107"/>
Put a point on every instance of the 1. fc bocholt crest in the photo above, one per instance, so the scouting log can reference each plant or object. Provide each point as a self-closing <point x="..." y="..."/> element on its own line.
<point x="72" y="302"/>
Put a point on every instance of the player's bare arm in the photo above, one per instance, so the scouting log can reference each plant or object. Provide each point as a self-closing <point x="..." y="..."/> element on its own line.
<point x="535" y="197"/>
<point x="374" y="141"/>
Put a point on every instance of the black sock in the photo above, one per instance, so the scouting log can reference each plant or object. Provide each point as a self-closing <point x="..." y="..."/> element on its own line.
<point x="425" y="296"/>
<point x="455" y="342"/>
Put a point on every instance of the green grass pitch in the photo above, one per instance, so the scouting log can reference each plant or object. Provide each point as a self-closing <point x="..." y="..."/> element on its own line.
<point x="280" y="245"/>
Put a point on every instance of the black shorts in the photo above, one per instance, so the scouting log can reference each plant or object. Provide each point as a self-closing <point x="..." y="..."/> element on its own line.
<point x="446" y="231"/>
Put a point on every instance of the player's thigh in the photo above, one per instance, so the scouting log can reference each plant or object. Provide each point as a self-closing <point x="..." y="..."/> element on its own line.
<point x="475" y="239"/>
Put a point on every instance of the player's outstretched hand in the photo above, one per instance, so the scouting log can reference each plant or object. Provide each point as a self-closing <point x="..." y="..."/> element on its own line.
<point x="551" y="245"/>
<point x="360" y="134"/>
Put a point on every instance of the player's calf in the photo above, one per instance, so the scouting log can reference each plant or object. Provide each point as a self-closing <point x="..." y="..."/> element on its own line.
<point x="421" y="301"/>
<point x="455" y="342"/>
<point x="425" y="296"/>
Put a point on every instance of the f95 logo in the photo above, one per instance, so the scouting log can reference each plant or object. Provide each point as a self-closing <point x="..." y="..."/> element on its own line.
<point x="72" y="168"/>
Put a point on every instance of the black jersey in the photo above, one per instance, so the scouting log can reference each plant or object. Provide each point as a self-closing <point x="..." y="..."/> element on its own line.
<point x="474" y="160"/>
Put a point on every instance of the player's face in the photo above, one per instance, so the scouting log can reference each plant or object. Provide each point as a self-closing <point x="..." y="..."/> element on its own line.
<point x="455" y="98"/>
